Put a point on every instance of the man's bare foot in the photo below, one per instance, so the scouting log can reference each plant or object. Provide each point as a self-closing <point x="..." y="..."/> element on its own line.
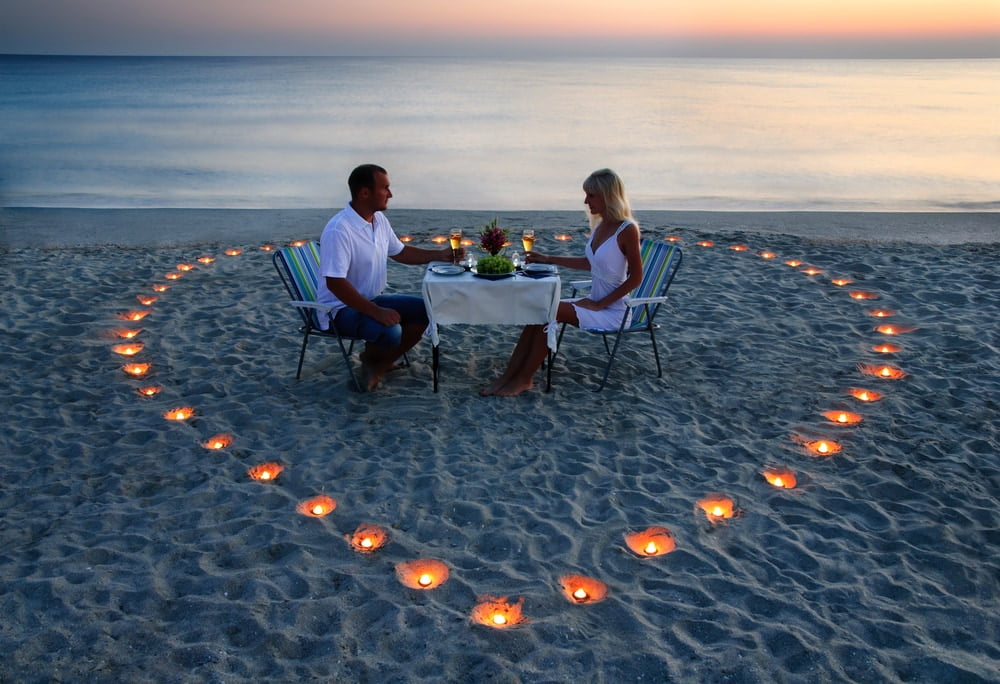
<point x="371" y="375"/>
<point x="512" y="388"/>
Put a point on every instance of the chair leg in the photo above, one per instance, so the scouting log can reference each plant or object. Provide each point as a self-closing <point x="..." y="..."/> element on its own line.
<point x="346" y="352"/>
<point x="611" y="360"/>
<point x="302" y="355"/>
<point x="656" y="351"/>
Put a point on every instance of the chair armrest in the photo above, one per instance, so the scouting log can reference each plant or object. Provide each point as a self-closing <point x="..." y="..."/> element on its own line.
<point x="639" y="301"/>
<point x="578" y="285"/>
<point x="311" y="305"/>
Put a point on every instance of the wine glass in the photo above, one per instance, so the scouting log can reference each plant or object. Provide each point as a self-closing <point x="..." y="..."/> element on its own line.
<point x="528" y="240"/>
<point x="455" y="239"/>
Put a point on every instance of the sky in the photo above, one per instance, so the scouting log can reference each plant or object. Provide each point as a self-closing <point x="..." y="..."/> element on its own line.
<point x="726" y="28"/>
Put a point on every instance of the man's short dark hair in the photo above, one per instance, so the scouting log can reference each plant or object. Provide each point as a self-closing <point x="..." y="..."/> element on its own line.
<point x="363" y="177"/>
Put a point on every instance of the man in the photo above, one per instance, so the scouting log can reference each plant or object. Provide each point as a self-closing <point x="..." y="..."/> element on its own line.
<point x="353" y="251"/>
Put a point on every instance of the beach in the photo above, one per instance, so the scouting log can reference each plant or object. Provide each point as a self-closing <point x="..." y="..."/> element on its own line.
<point x="133" y="550"/>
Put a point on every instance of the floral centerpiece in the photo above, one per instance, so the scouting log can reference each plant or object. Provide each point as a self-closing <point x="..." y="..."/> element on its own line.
<point x="493" y="239"/>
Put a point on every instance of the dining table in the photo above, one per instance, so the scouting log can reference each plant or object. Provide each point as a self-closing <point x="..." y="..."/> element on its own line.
<point x="457" y="295"/>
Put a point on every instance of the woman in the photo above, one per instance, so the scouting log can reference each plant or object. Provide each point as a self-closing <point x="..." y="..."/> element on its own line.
<point x="612" y="256"/>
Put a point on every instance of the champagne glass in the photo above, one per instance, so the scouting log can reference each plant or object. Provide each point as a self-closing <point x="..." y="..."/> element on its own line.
<point x="455" y="239"/>
<point x="528" y="241"/>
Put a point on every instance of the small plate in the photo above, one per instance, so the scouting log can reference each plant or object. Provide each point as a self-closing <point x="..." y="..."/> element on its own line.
<point x="493" y="276"/>
<point x="538" y="269"/>
<point x="447" y="270"/>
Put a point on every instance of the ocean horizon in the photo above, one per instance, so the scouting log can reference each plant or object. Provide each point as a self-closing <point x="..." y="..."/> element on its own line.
<point x="500" y="134"/>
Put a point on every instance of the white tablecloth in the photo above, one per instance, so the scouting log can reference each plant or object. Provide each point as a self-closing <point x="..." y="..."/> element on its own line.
<point x="469" y="300"/>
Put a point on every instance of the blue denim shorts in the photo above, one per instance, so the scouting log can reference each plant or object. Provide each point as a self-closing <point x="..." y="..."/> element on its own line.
<point x="351" y="323"/>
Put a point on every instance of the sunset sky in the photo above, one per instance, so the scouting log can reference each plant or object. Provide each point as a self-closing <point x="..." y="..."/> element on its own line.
<point x="910" y="28"/>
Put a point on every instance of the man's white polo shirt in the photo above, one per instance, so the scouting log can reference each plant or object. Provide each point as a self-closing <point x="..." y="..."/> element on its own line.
<point x="354" y="249"/>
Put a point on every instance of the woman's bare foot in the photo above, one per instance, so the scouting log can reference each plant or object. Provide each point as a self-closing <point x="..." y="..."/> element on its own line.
<point x="514" y="388"/>
<point x="492" y="389"/>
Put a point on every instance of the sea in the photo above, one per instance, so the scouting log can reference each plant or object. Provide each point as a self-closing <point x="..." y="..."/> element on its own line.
<point x="501" y="134"/>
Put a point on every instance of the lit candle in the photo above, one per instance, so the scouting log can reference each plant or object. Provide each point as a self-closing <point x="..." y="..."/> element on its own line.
<point x="566" y="237"/>
<point x="884" y="372"/>
<point x="136" y="369"/>
<point x="220" y="441"/>
<point x="317" y="507"/>
<point x="823" y="447"/>
<point x="133" y="315"/>
<point x="794" y="263"/>
<point x="424" y="573"/>
<point x="498" y="612"/>
<point x="738" y="248"/>
<point x="185" y="267"/>
<point x="653" y="541"/>
<point x="812" y="270"/>
<point x="864" y="394"/>
<point x="146" y="300"/>
<point x="160" y="288"/>
<point x="882" y="313"/>
<point x="267" y="248"/>
<point x="265" y="472"/>
<point x="582" y="589"/>
<point x="297" y="243"/>
<point x="130" y="349"/>
<point x="174" y="276"/>
<point x="406" y="238"/>
<point x="861" y="294"/>
<point x="716" y="507"/>
<point x="840" y="282"/>
<point x="439" y="239"/>
<point x="673" y="238"/>
<point x="180" y="413"/>
<point x="843" y="417"/>
<point x="208" y="259"/>
<point x="367" y="538"/>
<point x="768" y="255"/>
<point x="780" y="477"/>
<point x="149" y="391"/>
<point x="128" y="334"/>
<point x="887" y="348"/>
<point x="706" y="243"/>
<point x="234" y="252"/>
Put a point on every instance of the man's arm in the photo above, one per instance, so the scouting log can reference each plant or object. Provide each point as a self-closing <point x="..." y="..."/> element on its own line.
<point x="349" y="295"/>
<point x="411" y="256"/>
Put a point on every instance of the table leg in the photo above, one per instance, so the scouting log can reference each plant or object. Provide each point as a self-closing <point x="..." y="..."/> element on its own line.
<point x="435" y="360"/>
<point x="548" y="372"/>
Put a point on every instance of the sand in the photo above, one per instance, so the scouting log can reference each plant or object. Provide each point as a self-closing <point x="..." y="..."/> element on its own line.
<point x="131" y="552"/>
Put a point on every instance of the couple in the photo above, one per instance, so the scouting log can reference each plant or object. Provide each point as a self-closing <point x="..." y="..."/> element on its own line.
<point x="356" y="242"/>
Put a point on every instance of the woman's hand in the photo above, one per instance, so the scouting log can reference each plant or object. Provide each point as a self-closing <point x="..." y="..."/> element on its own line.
<point x="588" y="304"/>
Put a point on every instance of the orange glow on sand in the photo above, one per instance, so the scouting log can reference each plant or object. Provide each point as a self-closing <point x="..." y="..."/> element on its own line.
<point x="780" y="477"/>
<point x="179" y="413"/>
<point x="843" y="417"/>
<point x="884" y="371"/>
<point x="265" y="472"/>
<point x="160" y="288"/>
<point x="840" y="282"/>
<point x="133" y="315"/>
<point x="706" y="243"/>
<point x="207" y="259"/>
<point x="566" y="237"/>
<point x="768" y="255"/>
<point x="219" y="441"/>
<point x="498" y="613"/>
<point x="130" y="349"/>
<point x="129" y="333"/>
<point x="368" y="538"/>
<point x="819" y="447"/>
<point x="234" y="252"/>
<point x="887" y="348"/>
<point x="864" y="394"/>
<point x="425" y="573"/>
<point x="716" y="507"/>
<point x="862" y="294"/>
<point x="882" y="313"/>
<point x="174" y="276"/>
<point x="581" y="589"/>
<point x="653" y="541"/>
<point x="895" y="329"/>
<point x="137" y="369"/>
<point x="146" y="300"/>
<point x="794" y="263"/>
<point x="149" y="390"/>
<point x="317" y="506"/>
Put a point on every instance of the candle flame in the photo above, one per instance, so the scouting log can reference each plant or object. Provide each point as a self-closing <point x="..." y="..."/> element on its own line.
<point x="146" y="300"/>
<point x="823" y="447"/>
<point x="133" y="315"/>
<point x="234" y="252"/>
<point x="136" y="368"/>
<point x="882" y="313"/>
<point x="794" y="263"/>
<point x="861" y="294"/>
<point x="582" y="589"/>
<point x="768" y="255"/>
<point x="566" y="237"/>
<point x="297" y="243"/>
<point x="738" y="248"/>
<point x="840" y="282"/>
<point x="812" y="270"/>
<point x="185" y="267"/>
<point x="130" y="349"/>
<point x="498" y="612"/>
<point x="887" y="348"/>
<point x="180" y="413"/>
<point x="653" y="541"/>
<point x="267" y="248"/>
<point x="895" y="329"/>
<point x="220" y="441"/>
<point x="863" y="394"/>
<point x="174" y="276"/>
<point x="149" y="391"/>
<point x="439" y="239"/>
<point x="706" y="243"/>
<point x="205" y="260"/>
<point x="128" y="334"/>
<point x="160" y="288"/>
<point x="367" y="538"/>
<point x="780" y="477"/>
<point x="884" y="372"/>
<point x="673" y="238"/>
<point x="265" y="472"/>
<point x="843" y="417"/>
<point x="425" y="573"/>
<point x="318" y="506"/>
<point x="716" y="507"/>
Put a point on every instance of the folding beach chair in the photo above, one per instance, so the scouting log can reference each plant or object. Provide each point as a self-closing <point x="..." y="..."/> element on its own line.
<point x="299" y="271"/>
<point x="660" y="261"/>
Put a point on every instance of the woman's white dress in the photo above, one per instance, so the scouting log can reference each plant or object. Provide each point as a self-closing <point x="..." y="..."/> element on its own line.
<point x="608" y="270"/>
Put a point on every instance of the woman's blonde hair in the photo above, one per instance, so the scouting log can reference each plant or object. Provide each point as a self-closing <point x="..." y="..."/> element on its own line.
<point x="606" y="183"/>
